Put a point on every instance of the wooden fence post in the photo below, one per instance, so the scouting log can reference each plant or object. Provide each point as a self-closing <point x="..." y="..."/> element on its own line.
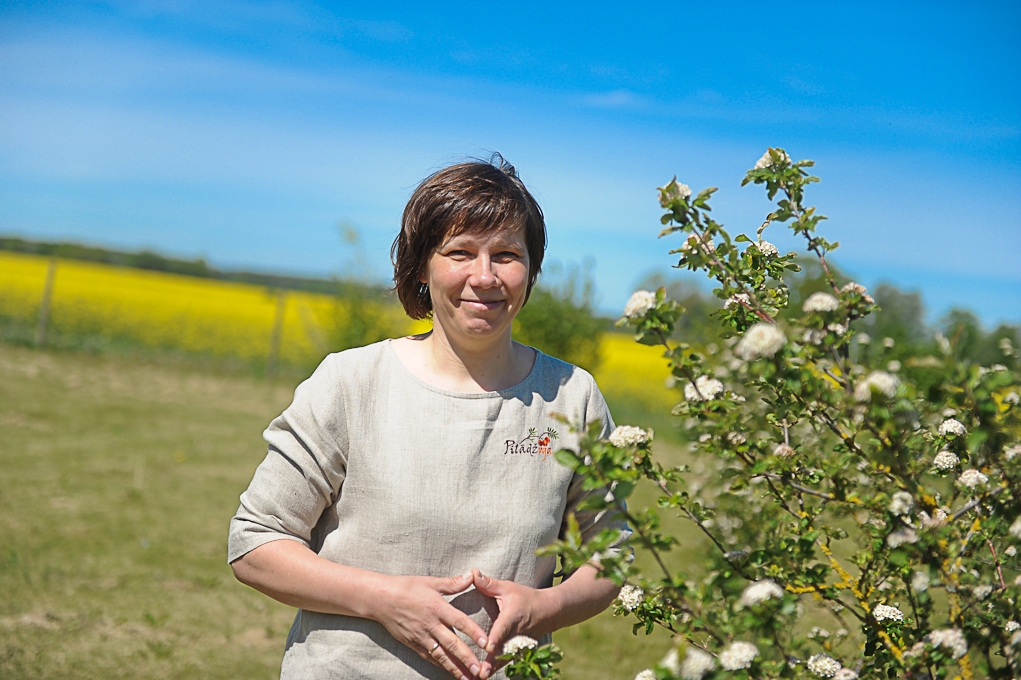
<point x="278" y="333"/>
<point x="44" y="307"/>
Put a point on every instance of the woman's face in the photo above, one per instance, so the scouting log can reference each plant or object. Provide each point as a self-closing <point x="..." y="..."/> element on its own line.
<point x="477" y="283"/>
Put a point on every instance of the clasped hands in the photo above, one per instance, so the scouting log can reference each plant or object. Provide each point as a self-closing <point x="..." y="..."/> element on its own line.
<point x="415" y="613"/>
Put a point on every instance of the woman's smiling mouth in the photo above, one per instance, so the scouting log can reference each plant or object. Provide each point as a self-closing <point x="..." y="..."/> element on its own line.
<point x="481" y="305"/>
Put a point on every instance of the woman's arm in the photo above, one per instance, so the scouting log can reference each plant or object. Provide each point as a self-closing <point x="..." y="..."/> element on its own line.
<point x="536" y="612"/>
<point x="411" y="608"/>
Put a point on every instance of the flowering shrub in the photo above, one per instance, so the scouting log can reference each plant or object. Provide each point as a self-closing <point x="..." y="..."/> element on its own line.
<point x="887" y="511"/>
<point x="525" y="659"/>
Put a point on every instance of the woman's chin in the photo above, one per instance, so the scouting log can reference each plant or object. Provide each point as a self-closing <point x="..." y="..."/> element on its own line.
<point x="479" y="327"/>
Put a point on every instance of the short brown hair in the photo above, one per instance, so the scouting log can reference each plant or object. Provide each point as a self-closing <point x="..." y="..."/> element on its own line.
<point x="475" y="197"/>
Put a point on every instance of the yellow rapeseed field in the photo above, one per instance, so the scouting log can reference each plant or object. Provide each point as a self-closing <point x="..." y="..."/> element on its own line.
<point x="168" y="311"/>
<point x="638" y="373"/>
<point x="226" y="319"/>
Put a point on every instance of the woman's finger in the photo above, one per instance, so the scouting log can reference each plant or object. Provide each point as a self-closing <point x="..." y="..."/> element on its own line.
<point x="493" y="587"/>
<point x="486" y="584"/>
<point x="456" y="651"/>
<point x="497" y="636"/>
<point x="455" y="618"/>
<point x="454" y="584"/>
<point x="433" y="652"/>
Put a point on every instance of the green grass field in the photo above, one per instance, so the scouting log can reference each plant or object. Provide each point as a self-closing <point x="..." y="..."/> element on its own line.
<point x="119" y="477"/>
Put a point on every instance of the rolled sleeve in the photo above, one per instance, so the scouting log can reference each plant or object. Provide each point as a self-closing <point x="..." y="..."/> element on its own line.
<point x="303" y="471"/>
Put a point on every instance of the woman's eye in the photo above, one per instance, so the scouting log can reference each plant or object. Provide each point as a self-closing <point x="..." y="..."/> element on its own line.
<point x="507" y="256"/>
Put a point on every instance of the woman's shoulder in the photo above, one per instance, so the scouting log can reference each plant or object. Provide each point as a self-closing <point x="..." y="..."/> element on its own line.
<point x="357" y="365"/>
<point x="571" y="391"/>
<point x="551" y="369"/>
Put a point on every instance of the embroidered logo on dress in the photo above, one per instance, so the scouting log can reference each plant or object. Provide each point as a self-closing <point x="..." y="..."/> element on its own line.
<point x="534" y="444"/>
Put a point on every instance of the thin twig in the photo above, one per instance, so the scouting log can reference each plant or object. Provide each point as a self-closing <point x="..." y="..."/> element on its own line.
<point x="964" y="510"/>
<point x="999" y="569"/>
<point x="799" y="487"/>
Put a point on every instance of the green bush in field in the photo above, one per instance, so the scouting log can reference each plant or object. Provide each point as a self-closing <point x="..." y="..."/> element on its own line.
<point x="363" y="316"/>
<point x="862" y="503"/>
<point x="559" y="319"/>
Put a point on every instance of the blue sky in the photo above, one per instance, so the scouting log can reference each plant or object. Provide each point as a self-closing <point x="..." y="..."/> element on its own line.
<point x="245" y="132"/>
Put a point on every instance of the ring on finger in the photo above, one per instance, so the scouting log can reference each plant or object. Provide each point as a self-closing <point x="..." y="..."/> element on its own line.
<point x="434" y="648"/>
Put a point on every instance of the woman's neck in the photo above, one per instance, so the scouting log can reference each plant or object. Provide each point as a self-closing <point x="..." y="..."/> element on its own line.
<point x="478" y="366"/>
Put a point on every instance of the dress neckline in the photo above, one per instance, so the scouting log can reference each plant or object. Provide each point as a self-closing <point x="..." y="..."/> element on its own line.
<point x="506" y="392"/>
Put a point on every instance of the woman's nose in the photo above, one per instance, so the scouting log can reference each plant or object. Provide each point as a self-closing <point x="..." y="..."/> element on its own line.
<point x="483" y="274"/>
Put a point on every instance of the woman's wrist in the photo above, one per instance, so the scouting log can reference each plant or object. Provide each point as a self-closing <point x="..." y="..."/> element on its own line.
<point x="550" y="609"/>
<point x="579" y="597"/>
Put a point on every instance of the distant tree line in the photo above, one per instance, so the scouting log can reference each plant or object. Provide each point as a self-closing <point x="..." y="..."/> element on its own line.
<point x="146" y="259"/>
<point x="898" y="331"/>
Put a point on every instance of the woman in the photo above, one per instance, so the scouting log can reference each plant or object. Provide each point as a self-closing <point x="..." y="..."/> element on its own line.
<point x="410" y="479"/>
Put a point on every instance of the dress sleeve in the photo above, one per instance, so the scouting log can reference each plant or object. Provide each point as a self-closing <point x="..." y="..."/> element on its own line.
<point x="592" y="522"/>
<point x="303" y="469"/>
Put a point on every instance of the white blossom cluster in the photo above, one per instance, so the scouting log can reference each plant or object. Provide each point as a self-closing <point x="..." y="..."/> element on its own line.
<point x="708" y="389"/>
<point x="631" y="597"/>
<point x="698" y="244"/>
<point x="647" y="674"/>
<point x="1015" y="528"/>
<point x="820" y="302"/>
<point x="881" y="382"/>
<point x="823" y="665"/>
<point x="761" y="340"/>
<point x="945" y="460"/>
<point x="767" y="248"/>
<point x="845" y="674"/>
<point x="901" y="503"/>
<point x="939" y="515"/>
<point x="696" y="664"/>
<point x="624" y="436"/>
<point x="972" y="478"/>
<point x="736" y="438"/>
<point x="783" y="450"/>
<point x="672" y="661"/>
<point x="1011" y="452"/>
<point x="1010" y="551"/>
<point x="517" y="643"/>
<point x="813" y="336"/>
<point x="1012" y="398"/>
<point x="884" y="612"/>
<point x="639" y="304"/>
<point x="672" y="191"/>
<point x="1011" y="626"/>
<point x="738" y="655"/>
<point x="735" y="300"/>
<point x="951" y="638"/>
<point x="767" y="159"/>
<point x="853" y="287"/>
<point x="952" y="426"/>
<point x="920" y="582"/>
<point x="981" y="592"/>
<point x="902" y="536"/>
<point x="759" y="592"/>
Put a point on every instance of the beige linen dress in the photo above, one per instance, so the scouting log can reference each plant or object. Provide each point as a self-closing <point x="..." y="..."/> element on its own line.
<point x="373" y="468"/>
